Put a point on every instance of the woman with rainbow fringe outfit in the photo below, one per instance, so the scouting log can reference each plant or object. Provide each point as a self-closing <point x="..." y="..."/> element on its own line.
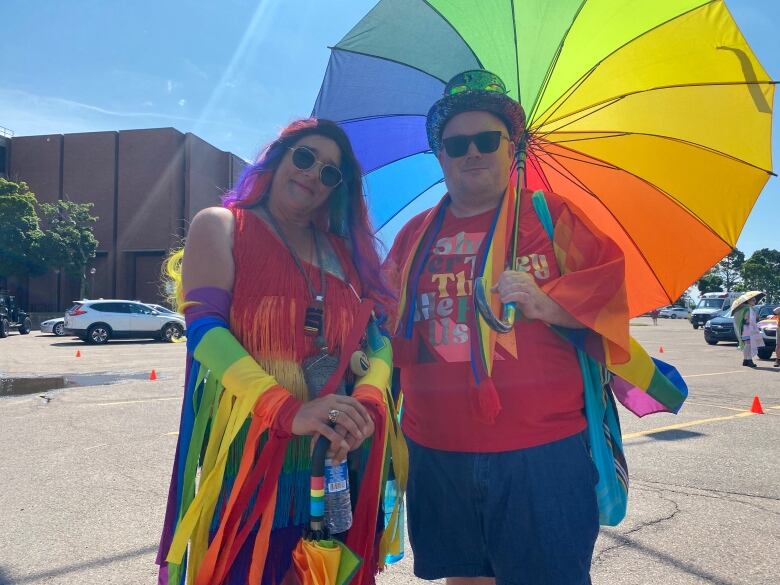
<point x="271" y="280"/>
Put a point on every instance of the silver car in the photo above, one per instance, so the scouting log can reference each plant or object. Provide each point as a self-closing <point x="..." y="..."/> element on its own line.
<point x="54" y="326"/>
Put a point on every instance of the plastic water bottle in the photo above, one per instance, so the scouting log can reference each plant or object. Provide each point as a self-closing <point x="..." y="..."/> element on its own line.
<point x="338" y="506"/>
<point x="391" y="494"/>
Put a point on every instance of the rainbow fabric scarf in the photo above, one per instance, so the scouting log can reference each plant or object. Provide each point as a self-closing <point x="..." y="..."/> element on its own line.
<point x="641" y="384"/>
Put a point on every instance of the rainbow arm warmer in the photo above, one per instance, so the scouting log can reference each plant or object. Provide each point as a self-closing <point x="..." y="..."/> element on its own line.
<point x="224" y="385"/>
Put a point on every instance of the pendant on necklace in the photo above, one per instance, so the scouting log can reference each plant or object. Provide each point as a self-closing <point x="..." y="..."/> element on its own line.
<point x="312" y="323"/>
<point x="359" y="363"/>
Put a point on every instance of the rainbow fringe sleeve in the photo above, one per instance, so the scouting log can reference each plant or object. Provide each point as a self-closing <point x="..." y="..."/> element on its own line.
<point x="224" y="385"/>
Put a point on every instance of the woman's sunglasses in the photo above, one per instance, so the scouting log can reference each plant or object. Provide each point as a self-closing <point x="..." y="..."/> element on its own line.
<point x="304" y="159"/>
<point x="486" y="142"/>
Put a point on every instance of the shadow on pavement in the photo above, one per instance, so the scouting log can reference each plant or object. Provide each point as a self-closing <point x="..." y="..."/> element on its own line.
<point x="6" y="578"/>
<point x="666" y="558"/>
<point x="78" y="342"/>
<point x="675" y="435"/>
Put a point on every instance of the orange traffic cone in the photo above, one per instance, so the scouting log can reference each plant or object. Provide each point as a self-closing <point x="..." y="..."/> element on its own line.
<point x="756" y="407"/>
<point x="153" y="375"/>
<point x="78" y="353"/>
<point x="661" y="349"/>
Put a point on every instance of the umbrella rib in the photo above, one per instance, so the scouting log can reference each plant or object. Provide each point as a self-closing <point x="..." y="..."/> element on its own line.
<point x="628" y="42"/>
<point x="554" y="62"/>
<point x="456" y="31"/>
<point x="592" y="162"/>
<point x="517" y="55"/>
<point x="628" y="235"/>
<point x="391" y="61"/>
<point x="615" y="99"/>
<point x="657" y="188"/>
<point x="613" y="134"/>
<point x="392" y="217"/>
<point x="587" y="113"/>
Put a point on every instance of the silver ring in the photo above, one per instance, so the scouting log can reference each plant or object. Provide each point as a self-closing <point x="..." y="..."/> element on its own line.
<point x="333" y="415"/>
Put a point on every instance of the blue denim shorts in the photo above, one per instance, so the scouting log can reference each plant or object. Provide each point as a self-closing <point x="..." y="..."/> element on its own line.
<point x="525" y="517"/>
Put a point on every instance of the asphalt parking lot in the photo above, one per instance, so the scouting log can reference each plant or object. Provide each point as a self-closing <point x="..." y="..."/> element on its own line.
<point x="85" y="469"/>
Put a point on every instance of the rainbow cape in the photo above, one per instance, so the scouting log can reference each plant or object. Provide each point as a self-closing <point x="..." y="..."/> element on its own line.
<point x="591" y="288"/>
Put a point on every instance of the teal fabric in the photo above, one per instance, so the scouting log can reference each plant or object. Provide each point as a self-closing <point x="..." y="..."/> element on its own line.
<point x="604" y="434"/>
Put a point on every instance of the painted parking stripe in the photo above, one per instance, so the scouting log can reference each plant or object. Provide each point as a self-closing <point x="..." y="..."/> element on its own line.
<point x="693" y="423"/>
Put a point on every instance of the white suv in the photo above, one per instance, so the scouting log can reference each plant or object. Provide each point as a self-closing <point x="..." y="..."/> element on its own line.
<point x="97" y="321"/>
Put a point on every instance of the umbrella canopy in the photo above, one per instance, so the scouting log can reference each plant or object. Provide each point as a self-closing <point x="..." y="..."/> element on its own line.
<point x="654" y="117"/>
<point x="745" y="297"/>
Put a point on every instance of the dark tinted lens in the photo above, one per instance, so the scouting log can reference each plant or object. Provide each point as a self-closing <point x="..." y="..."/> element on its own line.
<point x="330" y="176"/>
<point x="456" y="146"/>
<point x="303" y="158"/>
<point x="487" y="141"/>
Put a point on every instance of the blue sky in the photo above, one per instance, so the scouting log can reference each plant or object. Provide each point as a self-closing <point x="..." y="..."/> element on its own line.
<point x="234" y="72"/>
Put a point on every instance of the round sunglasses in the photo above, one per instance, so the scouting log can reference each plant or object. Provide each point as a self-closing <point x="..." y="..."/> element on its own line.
<point x="486" y="142"/>
<point x="304" y="159"/>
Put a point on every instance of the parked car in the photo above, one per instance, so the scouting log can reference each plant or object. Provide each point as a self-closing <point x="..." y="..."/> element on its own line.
<point x="720" y="328"/>
<point x="765" y="311"/>
<point x="164" y="310"/>
<point x="55" y="326"/>
<point x="711" y="305"/>
<point x="768" y="329"/>
<point x="674" y="313"/>
<point x="12" y="316"/>
<point x="97" y="321"/>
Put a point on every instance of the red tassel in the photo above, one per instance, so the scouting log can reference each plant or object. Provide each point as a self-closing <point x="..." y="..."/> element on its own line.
<point x="488" y="401"/>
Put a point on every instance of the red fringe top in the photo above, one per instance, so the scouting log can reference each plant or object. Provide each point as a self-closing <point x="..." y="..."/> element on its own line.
<point x="270" y="295"/>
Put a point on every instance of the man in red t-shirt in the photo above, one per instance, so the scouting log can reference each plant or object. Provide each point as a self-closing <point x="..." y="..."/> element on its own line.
<point x="509" y="498"/>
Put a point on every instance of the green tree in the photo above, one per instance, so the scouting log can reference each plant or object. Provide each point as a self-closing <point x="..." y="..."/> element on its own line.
<point x="710" y="281"/>
<point x="20" y="232"/>
<point x="762" y="272"/>
<point x="69" y="243"/>
<point x="730" y="268"/>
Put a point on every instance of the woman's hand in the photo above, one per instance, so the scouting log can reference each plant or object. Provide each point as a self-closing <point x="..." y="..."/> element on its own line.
<point x="352" y="423"/>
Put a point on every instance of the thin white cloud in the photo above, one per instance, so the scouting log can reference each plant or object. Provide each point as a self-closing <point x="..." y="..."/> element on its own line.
<point x="169" y="86"/>
<point x="27" y="113"/>
<point x="182" y="103"/>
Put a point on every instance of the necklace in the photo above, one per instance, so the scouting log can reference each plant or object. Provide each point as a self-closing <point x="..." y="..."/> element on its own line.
<point x="314" y="322"/>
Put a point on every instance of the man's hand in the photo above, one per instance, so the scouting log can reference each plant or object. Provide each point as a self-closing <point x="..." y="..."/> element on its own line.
<point x="531" y="301"/>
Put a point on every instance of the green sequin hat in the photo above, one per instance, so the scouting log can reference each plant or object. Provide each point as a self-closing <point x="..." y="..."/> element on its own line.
<point x="474" y="90"/>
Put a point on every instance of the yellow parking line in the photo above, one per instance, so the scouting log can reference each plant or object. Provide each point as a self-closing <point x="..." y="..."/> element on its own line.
<point x="692" y="423"/>
<point x="131" y="401"/>
<point x="715" y="374"/>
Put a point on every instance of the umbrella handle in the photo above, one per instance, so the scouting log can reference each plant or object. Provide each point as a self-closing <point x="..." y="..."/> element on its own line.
<point x="509" y="313"/>
<point x="317" y="528"/>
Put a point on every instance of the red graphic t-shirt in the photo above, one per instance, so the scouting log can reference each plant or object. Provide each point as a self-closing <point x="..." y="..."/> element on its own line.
<point x="535" y="371"/>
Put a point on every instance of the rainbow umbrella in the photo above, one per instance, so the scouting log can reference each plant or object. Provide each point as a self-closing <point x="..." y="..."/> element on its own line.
<point x="652" y="117"/>
<point x="317" y="558"/>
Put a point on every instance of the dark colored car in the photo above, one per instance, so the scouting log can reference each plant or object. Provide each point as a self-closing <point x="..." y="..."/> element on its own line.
<point x="767" y="325"/>
<point x="720" y="328"/>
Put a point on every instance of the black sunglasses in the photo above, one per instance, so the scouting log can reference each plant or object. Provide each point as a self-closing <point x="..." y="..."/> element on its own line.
<point x="486" y="142"/>
<point x="304" y="159"/>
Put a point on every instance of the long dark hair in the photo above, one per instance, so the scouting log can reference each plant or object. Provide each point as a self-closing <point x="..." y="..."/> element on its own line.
<point x="347" y="204"/>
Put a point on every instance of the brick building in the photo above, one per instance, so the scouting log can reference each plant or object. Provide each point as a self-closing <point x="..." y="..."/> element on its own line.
<point x="146" y="185"/>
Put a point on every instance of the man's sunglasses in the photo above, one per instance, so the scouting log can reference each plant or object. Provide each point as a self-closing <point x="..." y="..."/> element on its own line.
<point x="486" y="142"/>
<point x="304" y="159"/>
